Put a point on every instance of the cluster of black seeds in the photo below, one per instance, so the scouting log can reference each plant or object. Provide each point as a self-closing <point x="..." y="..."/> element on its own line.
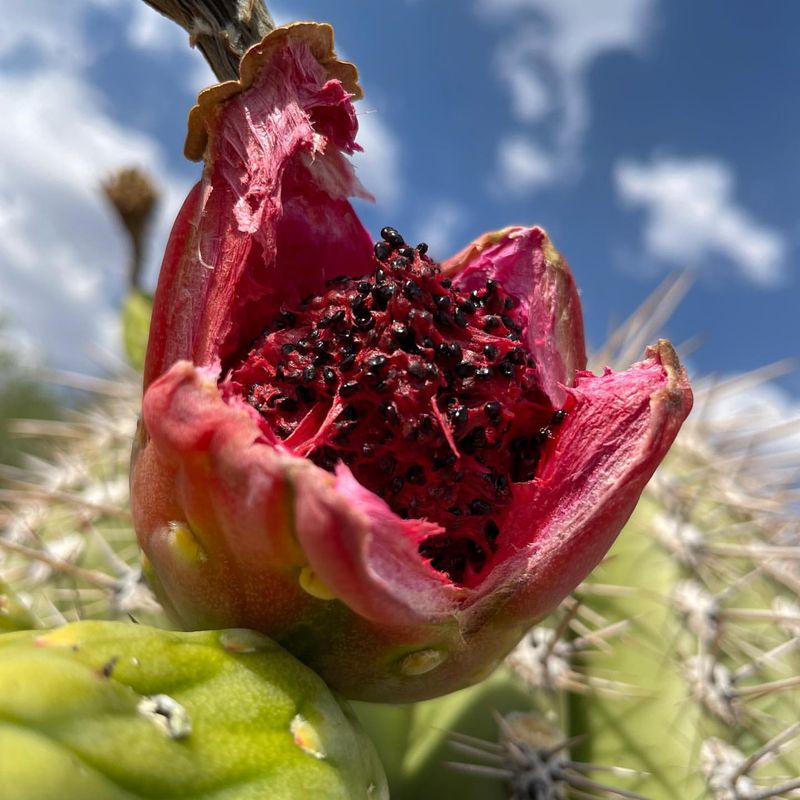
<point x="423" y="388"/>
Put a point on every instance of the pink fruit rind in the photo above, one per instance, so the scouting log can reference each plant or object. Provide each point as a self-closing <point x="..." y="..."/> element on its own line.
<point x="238" y="529"/>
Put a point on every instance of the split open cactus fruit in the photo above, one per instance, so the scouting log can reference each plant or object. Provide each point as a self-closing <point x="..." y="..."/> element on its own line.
<point x="116" y="711"/>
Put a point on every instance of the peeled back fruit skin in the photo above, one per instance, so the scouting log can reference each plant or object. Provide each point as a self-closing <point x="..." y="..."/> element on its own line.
<point x="393" y="466"/>
<point x="117" y="711"/>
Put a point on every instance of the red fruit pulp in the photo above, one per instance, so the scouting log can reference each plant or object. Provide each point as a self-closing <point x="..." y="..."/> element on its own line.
<point x="424" y="391"/>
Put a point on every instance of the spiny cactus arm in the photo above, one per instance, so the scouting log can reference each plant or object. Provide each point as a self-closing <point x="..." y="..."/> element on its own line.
<point x="223" y="30"/>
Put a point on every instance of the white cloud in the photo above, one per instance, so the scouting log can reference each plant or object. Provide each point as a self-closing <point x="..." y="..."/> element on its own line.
<point x="523" y="166"/>
<point x="149" y="30"/>
<point x="693" y="217"/>
<point x="544" y="62"/>
<point x="62" y="256"/>
<point x="378" y="167"/>
<point x="439" y="228"/>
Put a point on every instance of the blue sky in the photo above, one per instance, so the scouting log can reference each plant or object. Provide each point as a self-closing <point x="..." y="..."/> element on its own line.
<point x="647" y="136"/>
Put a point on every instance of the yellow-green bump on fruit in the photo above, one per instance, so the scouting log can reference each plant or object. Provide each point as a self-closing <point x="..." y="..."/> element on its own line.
<point x="117" y="711"/>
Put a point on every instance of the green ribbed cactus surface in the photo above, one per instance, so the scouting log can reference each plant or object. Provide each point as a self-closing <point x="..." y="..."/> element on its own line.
<point x="117" y="711"/>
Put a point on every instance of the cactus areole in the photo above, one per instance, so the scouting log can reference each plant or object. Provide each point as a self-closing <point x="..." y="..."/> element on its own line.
<point x="391" y="465"/>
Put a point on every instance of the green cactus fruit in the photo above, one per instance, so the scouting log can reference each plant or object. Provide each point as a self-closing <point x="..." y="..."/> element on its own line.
<point x="116" y="711"/>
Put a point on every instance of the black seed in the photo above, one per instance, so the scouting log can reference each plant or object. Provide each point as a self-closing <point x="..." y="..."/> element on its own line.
<point x="417" y="369"/>
<point x="475" y="554"/>
<point x="558" y="417"/>
<point x="515" y="356"/>
<point x="479" y="506"/>
<point x="328" y="375"/>
<point x="389" y="411"/>
<point x="443" y="350"/>
<point x="422" y="247"/>
<point x="376" y="361"/>
<point x="405" y="337"/>
<point x="314" y="335"/>
<point x="381" y="387"/>
<point x="309" y="374"/>
<point x="468" y="307"/>
<point x="454" y="510"/>
<point x="460" y="319"/>
<point x="416" y="475"/>
<point x="442" y="301"/>
<point x="491" y="531"/>
<point x="490" y="351"/>
<point x="500" y="484"/>
<point x="364" y="323"/>
<point x="380" y="275"/>
<point x="392" y="237"/>
<point x="288" y="349"/>
<point x="411" y="290"/>
<point x="396" y="484"/>
<point x="407" y="252"/>
<point x="483" y="373"/>
<point x="509" y="323"/>
<point x="506" y="369"/>
<point x="322" y="358"/>
<point x="490" y="322"/>
<point x="508" y="303"/>
<point x="364" y="287"/>
<point x="350" y="413"/>
<point x="399" y="263"/>
<point x="492" y="411"/>
<point x="456" y="352"/>
<point x="382" y="251"/>
<point x="302" y="345"/>
<point x="348" y="389"/>
<point x="491" y="286"/>
<point x="427" y="342"/>
<point x="445" y="283"/>
<point x="464" y="369"/>
<point x="357" y="302"/>
<point x="460" y="416"/>
<point x="346" y="364"/>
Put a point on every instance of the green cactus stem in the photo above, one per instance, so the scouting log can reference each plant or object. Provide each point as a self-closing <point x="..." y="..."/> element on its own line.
<point x="116" y="711"/>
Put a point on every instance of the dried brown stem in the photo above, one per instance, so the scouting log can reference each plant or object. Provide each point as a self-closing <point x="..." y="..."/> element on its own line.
<point x="223" y="30"/>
